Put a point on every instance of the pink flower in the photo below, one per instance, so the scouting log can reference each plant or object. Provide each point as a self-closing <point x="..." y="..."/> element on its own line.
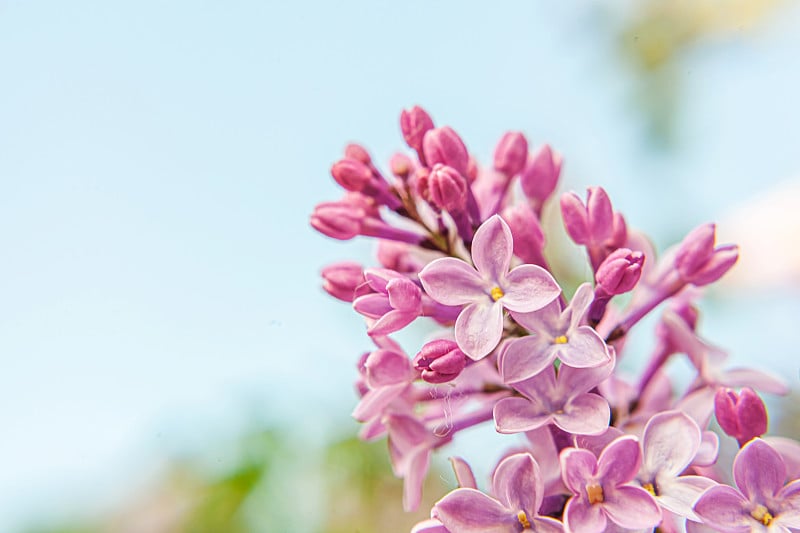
<point x="488" y="288"/>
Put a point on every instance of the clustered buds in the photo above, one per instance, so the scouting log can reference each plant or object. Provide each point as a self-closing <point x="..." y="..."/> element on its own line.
<point x="515" y="352"/>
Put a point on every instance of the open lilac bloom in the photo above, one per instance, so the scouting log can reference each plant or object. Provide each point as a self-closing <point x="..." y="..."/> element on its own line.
<point x="388" y="375"/>
<point x="555" y="333"/>
<point x="487" y="288"/>
<point x="669" y="444"/>
<point x="517" y="486"/>
<point x="563" y="400"/>
<point x="602" y="491"/>
<point x="762" y="502"/>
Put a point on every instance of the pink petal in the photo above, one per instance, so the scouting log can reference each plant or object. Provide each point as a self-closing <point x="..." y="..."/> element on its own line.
<point x="670" y="442"/>
<point x="429" y="526"/>
<point x="620" y="461"/>
<point x="451" y="281"/>
<point x="391" y="322"/>
<point x="545" y="524"/>
<point x="708" y="450"/>
<point x="515" y="415"/>
<point x="580" y="516"/>
<point x="492" y="247"/>
<point x="631" y="507"/>
<point x="755" y="379"/>
<point x="471" y="511"/>
<point x="386" y="367"/>
<point x="580" y="303"/>
<point x="524" y="358"/>
<point x="529" y="288"/>
<point x="517" y="483"/>
<point x="375" y="401"/>
<point x="587" y="414"/>
<point x="584" y="349"/>
<point x="372" y="305"/>
<point x="575" y="381"/>
<point x="413" y="479"/>
<point x="479" y="328"/>
<point x="759" y="471"/>
<point x="724" y="508"/>
<point x="679" y="495"/>
<point x="463" y="472"/>
<point x="789" y="449"/>
<point x="577" y="467"/>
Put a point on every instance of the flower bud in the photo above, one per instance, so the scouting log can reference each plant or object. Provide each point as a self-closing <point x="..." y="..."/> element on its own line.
<point x="357" y="152"/>
<point x="440" y="361"/>
<point x="575" y="217"/>
<point x="447" y="188"/>
<point x="401" y="166"/>
<point x="511" y="153"/>
<point x="343" y="280"/>
<point x="600" y="213"/>
<point x="698" y="261"/>
<point x="351" y="174"/>
<point x="742" y="416"/>
<point x="540" y="175"/>
<point x="338" y="220"/>
<point x="443" y="145"/>
<point x="620" y="271"/>
<point x="415" y="123"/>
<point x="527" y="233"/>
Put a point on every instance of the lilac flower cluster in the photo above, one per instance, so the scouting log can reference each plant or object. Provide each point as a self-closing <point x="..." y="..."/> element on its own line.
<point x="464" y="246"/>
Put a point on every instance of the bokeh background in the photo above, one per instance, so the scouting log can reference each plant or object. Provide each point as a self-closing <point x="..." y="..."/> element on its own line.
<point x="169" y="362"/>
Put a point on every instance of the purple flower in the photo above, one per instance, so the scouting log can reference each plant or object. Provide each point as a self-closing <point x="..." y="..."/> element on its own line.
<point x="762" y="502"/>
<point x="742" y="416"/>
<point x="555" y="333"/>
<point x="388" y="375"/>
<point x="395" y="304"/>
<point x="602" y="491"/>
<point x="517" y="486"/>
<point x="670" y="442"/>
<point x="564" y="400"/>
<point x="487" y="288"/>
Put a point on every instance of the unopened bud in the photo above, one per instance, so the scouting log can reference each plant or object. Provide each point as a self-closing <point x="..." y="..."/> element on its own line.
<point x="527" y="233"/>
<point x="401" y="166"/>
<point x="351" y="174"/>
<point x="620" y="271"/>
<point x="540" y="175"/>
<point x="404" y="295"/>
<point x="357" y="152"/>
<point x="443" y="145"/>
<point x="440" y="361"/>
<point x="447" y="188"/>
<point x="338" y="220"/>
<point x="415" y="123"/>
<point x="742" y="416"/>
<point x="699" y="262"/>
<point x="344" y="280"/>
<point x="576" y="221"/>
<point x="511" y="153"/>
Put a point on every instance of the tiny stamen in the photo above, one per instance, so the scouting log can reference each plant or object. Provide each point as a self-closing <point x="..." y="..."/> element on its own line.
<point x="561" y="339"/>
<point x="595" y="493"/>
<point x="523" y="519"/>
<point x="650" y="488"/>
<point x="762" y="514"/>
<point x="496" y="293"/>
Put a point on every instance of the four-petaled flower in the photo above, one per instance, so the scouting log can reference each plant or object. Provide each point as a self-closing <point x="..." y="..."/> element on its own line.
<point x="487" y="288"/>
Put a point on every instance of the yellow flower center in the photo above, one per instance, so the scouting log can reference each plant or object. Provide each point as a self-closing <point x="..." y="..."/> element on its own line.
<point x="595" y="493"/>
<point x="496" y="293"/>
<point x="561" y="339"/>
<point x="649" y="488"/>
<point x="762" y="514"/>
<point x="523" y="519"/>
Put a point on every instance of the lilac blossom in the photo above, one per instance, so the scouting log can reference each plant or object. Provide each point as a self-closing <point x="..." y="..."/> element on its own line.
<point x="563" y="400"/>
<point x="554" y="334"/>
<point x="487" y="288"/>
<point x="670" y="443"/>
<point x="602" y="490"/>
<point x="742" y="416"/>
<point x="518" y="490"/>
<point x="761" y="503"/>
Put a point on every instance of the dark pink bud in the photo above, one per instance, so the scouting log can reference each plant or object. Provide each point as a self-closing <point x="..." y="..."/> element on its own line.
<point x="440" y="361"/>
<point x="351" y="174"/>
<point x="401" y="166"/>
<point x="338" y="220"/>
<point x="619" y="232"/>
<point x="540" y="175"/>
<point x="415" y="123"/>
<point x="357" y="152"/>
<point x="472" y="170"/>
<point x="443" y="145"/>
<point x="447" y="188"/>
<point x="511" y="153"/>
<point x="576" y="219"/>
<point x="344" y="280"/>
<point x="699" y="262"/>
<point x="601" y="214"/>
<point x="742" y="416"/>
<point x="527" y="233"/>
<point x="422" y="183"/>
<point x="620" y="271"/>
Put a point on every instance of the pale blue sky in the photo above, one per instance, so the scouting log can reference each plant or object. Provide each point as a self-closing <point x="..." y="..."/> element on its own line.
<point x="159" y="160"/>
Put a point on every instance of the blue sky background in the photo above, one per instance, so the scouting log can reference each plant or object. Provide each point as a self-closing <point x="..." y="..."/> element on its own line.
<point x="159" y="161"/>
